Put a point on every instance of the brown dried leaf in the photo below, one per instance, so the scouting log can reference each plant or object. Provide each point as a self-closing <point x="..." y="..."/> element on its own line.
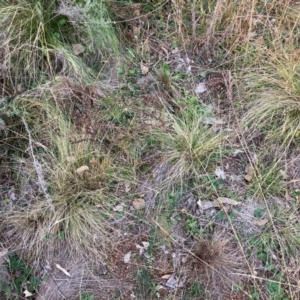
<point x="82" y="169"/>
<point x="119" y="207"/>
<point x="144" y="69"/>
<point x="139" y="203"/>
<point x="27" y="294"/>
<point x="220" y="173"/>
<point x="63" y="270"/>
<point x="201" y="88"/>
<point x="229" y="201"/>
<point x="248" y="178"/>
<point x="127" y="257"/>
<point x="261" y="222"/>
<point x="250" y="173"/>
<point x="204" y="205"/>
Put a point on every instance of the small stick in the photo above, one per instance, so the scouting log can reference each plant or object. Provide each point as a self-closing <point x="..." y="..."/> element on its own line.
<point x="38" y="168"/>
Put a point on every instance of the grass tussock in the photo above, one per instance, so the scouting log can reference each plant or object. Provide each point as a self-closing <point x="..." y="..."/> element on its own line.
<point x="217" y="262"/>
<point x="39" y="41"/>
<point x="275" y="96"/>
<point x="190" y="145"/>
<point x="73" y="182"/>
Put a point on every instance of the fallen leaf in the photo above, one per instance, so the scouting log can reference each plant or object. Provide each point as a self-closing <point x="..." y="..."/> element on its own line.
<point x="288" y="197"/>
<point x="11" y="195"/>
<point x="140" y="248"/>
<point x="254" y="158"/>
<point x="146" y="245"/>
<point x="63" y="270"/>
<point x="220" y="173"/>
<point x="20" y="88"/>
<point x="160" y="287"/>
<point x="250" y="173"/>
<point x="78" y="48"/>
<point x="143" y="248"/>
<point x="127" y="187"/>
<point x="175" y="51"/>
<point x="248" y="178"/>
<point x="283" y="174"/>
<point x="82" y="169"/>
<point x="138" y="203"/>
<point x="261" y="222"/>
<point x="167" y="276"/>
<point x="213" y="121"/>
<point x="27" y="294"/>
<point x="236" y="152"/>
<point x="200" y="88"/>
<point x="144" y="69"/>
<point x="127" y="257"/>
<point x="228" y="201"/>
<point x="252" y="35"/>
<point x="204" y="205"/>
<point x="119" y="207"/>
<point x="173" y="282"/>
<point x="209" y="121"/>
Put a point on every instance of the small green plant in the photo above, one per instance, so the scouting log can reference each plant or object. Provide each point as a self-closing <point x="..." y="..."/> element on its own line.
<point x="191" y="225"/>
<point x="276" y="290"/>
<point x="196" y="290"/>
<point x="145" y="288"/>
<point x="268" y="181"/>
<point x="22" y="278"/>
<point x="86" y="296"/>
<point x="258" y="213"/>
<point x="265" y="245"/>
<point x="254" y="293"/>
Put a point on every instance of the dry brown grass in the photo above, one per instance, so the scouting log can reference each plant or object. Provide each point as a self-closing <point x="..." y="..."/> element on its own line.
<point x="217" y="262"/>
<point x="64" y="202"/>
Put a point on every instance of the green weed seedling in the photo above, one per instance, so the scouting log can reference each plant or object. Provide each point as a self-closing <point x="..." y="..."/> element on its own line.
<point x="22" y="277"/>
<point x="191" y="225"/>
<point x="196" y="290"/>
<point x="276" y="291"/>
<point x="86" y="296"/>
<point x="145" y="287"/>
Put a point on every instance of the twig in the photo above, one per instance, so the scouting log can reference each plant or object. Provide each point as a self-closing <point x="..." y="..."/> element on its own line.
<point x="38" y="168"/>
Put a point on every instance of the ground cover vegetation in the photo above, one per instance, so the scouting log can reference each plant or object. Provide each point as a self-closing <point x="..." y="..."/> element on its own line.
<point x="149" y="149"/>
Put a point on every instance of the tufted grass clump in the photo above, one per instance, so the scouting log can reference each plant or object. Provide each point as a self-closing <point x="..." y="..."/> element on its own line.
<point x="190" y="145"/>
<point x="71" y="179"/>
<point x="38" y="40"/>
